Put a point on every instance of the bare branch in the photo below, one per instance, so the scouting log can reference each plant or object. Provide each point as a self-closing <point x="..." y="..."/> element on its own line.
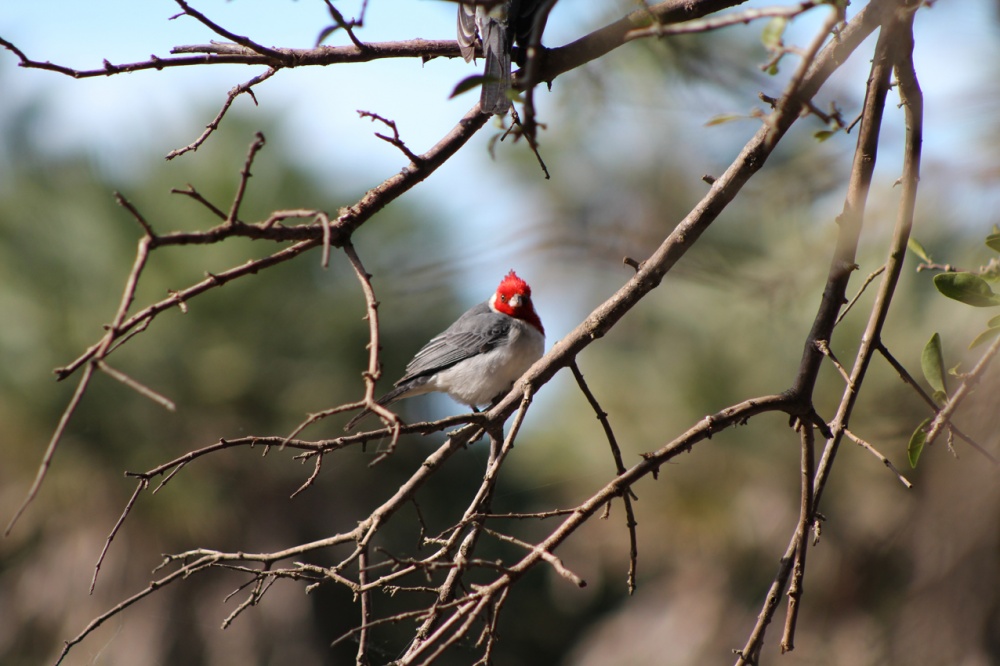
<point x="362" y="656"/>
<point x="143" y="484"/>
<point x="616" y="453"/>
<point x="808" y="469"/>
<point x="50" y="451"/>
<point x="235" y="92"/>
<point x="231" y="36"/>
<point x="895" y="45"/>
<point x="723" y="21"/>
<point x="309" y="235"/>
<point x="394" y="139"/>
<point x="347" y="26"/>
<point x="549" y="558"/>
<point x="861" y="290"/>
<point x="833" y="297"/>
<point x="234" y="210"/>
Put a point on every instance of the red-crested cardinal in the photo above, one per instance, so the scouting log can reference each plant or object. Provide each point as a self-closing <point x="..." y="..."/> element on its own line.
<point x="496" y="26"/>
<point x="477" y="359"/>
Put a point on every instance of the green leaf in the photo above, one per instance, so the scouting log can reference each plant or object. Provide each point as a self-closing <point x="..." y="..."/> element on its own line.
<point x="994" y="322"/>
<point x="823" y="135"/>
<point x="723" y="118"/>
<point x="324" y="33"/>
<point x="466" y="84"/>
<point x="773" y="69"/>
<point x="985" y="336"/>
<point x="773" y="31"/>
<point x="993" y="242"/>
<point x="966" y="287"/>
<point x="918" y="249"/>
<point x="932" y="363"/>
<point x="917" y="441"/>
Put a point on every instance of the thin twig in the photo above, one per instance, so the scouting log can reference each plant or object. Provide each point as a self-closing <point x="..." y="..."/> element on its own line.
<point x="875" y="452"/>
<point x="616" y="453"/>
<point x="362" y="656"/>
<point x="915" y="385"/>
<point x="127" y="205"/>
<point x="795" y="589"/>
<point x="241" y="189"/>
<point x="556" y="563"/>
<point x="348" y="26"/>
<point x="142" y="485"/>
<point x="50" y="451"/>
<point x="136" y="386"/>
<point x="374" y="371"/>
<point x="394" y="139"/>
<point x="243" y="88"/>
<point x="101" y="350"/>
<point x="231" y="36"/>
<point x="312" y="477"/>
<point x="824" y="347"/>
<point x="723" y="21"/>
<point x="861" y="290"/>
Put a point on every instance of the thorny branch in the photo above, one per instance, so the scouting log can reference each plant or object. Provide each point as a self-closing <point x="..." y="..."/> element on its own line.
<point x="307" y="235"/>
<point x="888" y="51"/>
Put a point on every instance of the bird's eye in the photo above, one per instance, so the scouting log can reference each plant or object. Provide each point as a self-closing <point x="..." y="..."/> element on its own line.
<point x="503" y="298"/>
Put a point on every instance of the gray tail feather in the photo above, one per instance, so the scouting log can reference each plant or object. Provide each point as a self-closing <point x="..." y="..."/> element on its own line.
<point x="467" y="31"/>
<point x="496" y="50"/>
<point x="387" y="399"/>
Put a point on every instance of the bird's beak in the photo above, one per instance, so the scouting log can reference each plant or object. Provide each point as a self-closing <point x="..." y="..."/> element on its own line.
<point x="516" y="301"/>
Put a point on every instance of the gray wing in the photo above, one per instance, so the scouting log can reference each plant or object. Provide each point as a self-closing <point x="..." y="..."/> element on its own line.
<point x="476" y="332"/>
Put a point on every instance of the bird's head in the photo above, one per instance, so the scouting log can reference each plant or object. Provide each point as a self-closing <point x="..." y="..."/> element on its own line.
<point x="513" y="298"/>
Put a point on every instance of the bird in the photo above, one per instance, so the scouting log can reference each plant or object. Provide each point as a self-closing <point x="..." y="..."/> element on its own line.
<point x="478" y="358"/>
<point x="496" y="26"/>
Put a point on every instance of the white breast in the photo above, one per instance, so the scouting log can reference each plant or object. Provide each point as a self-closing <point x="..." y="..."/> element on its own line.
<point x="480" y="379"/>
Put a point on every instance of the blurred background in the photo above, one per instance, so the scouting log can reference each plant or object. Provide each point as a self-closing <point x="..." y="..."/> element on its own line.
<point x="898" y="577"/>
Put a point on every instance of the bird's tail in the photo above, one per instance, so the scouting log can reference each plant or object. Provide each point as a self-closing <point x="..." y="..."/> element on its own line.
<point x="467" y="31"/>
<point x="496" y="82"/>
<point x="411" y="387"/>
